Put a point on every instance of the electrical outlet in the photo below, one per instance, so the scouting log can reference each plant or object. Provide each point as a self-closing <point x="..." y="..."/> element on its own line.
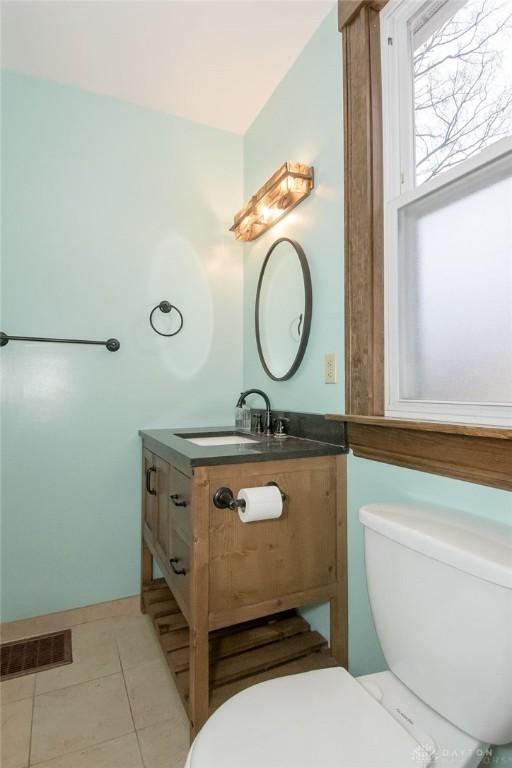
<point x="330" y="368"/>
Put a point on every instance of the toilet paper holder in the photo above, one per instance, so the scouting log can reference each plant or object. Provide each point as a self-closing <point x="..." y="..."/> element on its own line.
<point x="223" y="498"/>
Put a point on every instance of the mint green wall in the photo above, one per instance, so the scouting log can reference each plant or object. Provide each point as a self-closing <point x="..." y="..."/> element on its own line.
<point x="107" y="208"/>
<point x="302" y="121"/>
<point x="370" y="481"/>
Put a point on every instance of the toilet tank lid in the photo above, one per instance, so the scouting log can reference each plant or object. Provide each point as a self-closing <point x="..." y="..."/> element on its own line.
<point x="475" y="545"/>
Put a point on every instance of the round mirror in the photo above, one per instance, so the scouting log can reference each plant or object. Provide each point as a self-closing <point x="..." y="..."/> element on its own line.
<point x="283" y="309"/>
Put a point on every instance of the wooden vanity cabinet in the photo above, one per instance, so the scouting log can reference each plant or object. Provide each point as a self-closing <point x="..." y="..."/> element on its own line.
<point x="256" y="564"/>
<point x="167" y="524"/>
<point x="149" y="493"/>
<point x="161" y="527"/>
<point x="223" y="572"/>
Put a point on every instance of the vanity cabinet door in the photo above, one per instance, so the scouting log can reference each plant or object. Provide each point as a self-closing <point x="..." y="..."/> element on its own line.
<point x="252" y="563"/>
<point x="161" y="528"/>
<point x="149" y="495"/>
<point x="180" y="494"/>
<point x="180" y="537"/>
<point x="178" y="575"/>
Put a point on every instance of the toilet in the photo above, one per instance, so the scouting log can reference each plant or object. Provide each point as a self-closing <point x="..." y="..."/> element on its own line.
<point x="440" y="587"/>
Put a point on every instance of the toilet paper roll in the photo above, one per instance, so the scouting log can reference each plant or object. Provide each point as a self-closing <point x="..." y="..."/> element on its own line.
<point x="264" y="503"/>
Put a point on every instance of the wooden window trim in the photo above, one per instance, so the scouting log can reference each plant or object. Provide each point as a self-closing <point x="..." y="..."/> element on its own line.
<point x="478" y="454"/>
<point x="468" y="452"/>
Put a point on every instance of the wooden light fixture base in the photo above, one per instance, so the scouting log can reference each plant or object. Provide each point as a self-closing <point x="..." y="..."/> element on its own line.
<point x="285" y="189"/>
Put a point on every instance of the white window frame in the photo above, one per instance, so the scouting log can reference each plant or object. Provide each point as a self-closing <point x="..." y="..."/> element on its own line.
<point x="399" y="191"/>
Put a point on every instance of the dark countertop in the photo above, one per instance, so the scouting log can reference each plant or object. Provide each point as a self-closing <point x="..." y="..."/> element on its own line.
<point x="170" y="445"/>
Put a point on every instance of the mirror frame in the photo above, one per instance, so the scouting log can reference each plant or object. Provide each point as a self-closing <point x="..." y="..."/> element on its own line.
<point x="308" y="309"/>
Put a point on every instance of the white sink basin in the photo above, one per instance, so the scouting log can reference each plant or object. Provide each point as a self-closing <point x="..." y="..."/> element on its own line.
<point x="220" y="440"/>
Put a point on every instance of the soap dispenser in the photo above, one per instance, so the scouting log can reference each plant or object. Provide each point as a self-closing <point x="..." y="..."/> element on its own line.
<point x="280" y="428"/>
<point x="243" y="418"/>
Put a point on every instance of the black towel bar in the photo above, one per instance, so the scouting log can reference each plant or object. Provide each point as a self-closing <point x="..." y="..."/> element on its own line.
<point x="111" y="344"/>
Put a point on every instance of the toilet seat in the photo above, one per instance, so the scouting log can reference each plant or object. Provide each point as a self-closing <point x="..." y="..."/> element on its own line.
<point x="319" y="719"/>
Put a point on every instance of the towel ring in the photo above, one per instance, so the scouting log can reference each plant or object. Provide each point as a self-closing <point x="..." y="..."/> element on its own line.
<point x="165" y="307"/>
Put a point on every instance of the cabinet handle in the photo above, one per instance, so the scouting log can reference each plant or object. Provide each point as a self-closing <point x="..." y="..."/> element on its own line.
<point x="174" y="498"/>
<point x="149" y="489"/>
<point x="178" y="571"/>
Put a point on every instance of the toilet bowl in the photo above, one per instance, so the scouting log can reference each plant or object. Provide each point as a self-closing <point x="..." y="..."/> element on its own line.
<point x="440" y="586"/>
<point x="329" y="719"/>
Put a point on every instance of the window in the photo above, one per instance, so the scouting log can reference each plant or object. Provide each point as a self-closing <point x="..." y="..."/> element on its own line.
<point x="462" y="79"/>
<point x="447" y="127"/>
<point x="429" y="218"/>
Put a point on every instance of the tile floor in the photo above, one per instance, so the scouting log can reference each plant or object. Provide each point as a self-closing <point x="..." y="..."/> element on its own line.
<point x="116" y="706"/>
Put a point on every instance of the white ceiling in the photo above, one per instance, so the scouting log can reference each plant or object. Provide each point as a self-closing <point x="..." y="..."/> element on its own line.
<point x="214" y="61"/>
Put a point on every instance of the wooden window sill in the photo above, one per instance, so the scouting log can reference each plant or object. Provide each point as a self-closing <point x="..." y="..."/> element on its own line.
<point x="478" y="454"/>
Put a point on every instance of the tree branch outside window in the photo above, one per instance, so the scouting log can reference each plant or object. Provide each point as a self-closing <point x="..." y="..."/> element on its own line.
<point x="463" y="86"/>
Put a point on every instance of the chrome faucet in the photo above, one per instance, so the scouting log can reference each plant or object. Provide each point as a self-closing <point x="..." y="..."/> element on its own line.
<point x="267" y="429"/>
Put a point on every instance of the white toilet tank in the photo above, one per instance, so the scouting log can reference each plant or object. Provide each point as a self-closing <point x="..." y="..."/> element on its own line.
<point x="440" y="585"/>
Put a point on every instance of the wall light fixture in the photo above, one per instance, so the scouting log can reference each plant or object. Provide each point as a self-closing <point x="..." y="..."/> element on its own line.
<point x="285" y="189"/>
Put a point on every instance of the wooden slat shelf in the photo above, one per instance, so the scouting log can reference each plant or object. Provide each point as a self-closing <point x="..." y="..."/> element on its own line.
<point x="170" y="623"/>
<point x="227" y="645"/>
<point x="163" y="608"/>
<point x="260" y="659"/>
<point x="321" y="660"/>
<point x="240" y="656"/>
<point x="173" y="641"/>
<point x="156" y="592"/>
